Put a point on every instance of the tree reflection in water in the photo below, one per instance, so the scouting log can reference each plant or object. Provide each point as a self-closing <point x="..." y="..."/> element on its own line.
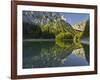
<point x="51" y="54"/>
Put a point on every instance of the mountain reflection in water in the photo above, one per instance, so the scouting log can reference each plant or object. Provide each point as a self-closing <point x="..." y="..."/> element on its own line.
<point x="42" y="54"/>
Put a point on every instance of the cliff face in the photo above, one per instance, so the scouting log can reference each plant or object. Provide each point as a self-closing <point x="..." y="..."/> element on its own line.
<point x="80" y="26"/>
<point x="36" y="17"/>
<point x="44" y="24"/>
<point x="83" y="27"/>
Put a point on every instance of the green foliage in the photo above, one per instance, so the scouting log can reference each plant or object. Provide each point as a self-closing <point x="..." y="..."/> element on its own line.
<point x="77" y="37"/>
<point x="49" y="30"/>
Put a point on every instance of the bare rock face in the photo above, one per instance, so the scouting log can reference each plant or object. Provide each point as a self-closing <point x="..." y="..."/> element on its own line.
<point x="37" y="17"/>
<point x="80" y="26"/>
<point x="48" y="22"/>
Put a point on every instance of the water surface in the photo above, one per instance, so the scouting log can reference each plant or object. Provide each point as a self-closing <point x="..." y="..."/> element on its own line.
<point x="43" y="54"/>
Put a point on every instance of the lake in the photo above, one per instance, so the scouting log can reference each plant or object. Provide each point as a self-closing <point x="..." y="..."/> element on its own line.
<point x="43" y="54"/>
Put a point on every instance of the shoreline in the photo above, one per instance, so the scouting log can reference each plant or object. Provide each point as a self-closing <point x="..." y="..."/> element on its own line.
<point x="37" y="40"/>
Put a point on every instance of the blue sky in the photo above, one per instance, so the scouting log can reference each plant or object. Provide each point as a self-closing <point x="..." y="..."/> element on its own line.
<point x="74" y="18"/>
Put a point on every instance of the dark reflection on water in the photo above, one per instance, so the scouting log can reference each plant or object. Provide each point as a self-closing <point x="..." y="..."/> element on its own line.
<point x="50" y="54"/>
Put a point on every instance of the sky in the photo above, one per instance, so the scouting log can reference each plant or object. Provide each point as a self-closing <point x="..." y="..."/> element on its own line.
<point x="74" y="18"/>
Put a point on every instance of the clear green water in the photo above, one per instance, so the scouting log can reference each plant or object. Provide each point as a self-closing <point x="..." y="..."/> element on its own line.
<point x="42" y="54"/>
